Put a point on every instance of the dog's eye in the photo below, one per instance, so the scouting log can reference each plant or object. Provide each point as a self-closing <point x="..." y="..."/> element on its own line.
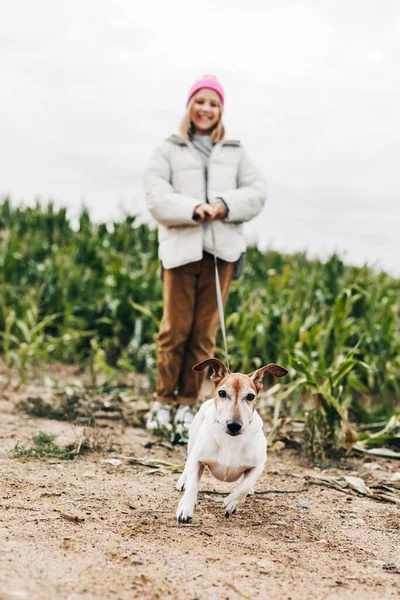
<point x="222" y="393"/>
<point x="250" y="397"/>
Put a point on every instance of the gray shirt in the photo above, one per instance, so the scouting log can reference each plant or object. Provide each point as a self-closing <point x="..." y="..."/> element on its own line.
<point x="203" y="145"/>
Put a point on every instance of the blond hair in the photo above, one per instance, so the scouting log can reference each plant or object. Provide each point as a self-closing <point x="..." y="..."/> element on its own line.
<point x="186" y="126"/>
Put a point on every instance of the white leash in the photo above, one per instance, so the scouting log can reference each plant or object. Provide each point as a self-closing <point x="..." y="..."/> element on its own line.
<point x="219" y="294"/>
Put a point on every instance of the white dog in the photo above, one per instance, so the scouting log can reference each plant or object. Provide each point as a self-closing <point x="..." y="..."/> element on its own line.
<point x="226" y="435"/>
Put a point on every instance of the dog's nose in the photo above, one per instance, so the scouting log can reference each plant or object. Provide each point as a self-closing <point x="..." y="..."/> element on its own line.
<point x="234" y="426"/>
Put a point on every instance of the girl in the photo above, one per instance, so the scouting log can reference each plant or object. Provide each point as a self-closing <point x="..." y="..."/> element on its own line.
<point x="193" y="179"/>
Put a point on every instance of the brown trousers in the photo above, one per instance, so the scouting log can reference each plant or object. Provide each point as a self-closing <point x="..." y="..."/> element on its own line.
<point x="188" y="327"/>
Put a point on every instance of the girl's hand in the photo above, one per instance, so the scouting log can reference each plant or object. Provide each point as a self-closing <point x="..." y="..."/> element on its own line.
<point x="203" y="212"/>
<point x="219" y="211"/>
<point x="209" y="212"/>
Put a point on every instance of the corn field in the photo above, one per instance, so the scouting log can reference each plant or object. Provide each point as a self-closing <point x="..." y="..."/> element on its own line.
<point x="92" y="295"/>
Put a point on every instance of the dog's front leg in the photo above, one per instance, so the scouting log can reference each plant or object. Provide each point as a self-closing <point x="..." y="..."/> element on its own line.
<point x="181" y="484"/>
<point x="194" y="471"/>
<point x="242" y="490"/>
<point x="193" y="431"/>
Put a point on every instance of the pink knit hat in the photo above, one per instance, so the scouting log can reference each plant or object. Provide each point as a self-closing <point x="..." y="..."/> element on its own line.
<point x="211" y="83"/>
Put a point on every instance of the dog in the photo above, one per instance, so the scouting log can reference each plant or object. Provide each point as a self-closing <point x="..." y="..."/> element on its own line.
<point x="226" y="435"/>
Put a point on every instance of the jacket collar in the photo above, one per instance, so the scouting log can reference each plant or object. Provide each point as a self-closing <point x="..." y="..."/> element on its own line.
<point x="180" y="141"/>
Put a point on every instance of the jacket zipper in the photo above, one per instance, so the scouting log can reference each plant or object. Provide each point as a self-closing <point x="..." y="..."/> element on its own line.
<point x="206" y="183"/>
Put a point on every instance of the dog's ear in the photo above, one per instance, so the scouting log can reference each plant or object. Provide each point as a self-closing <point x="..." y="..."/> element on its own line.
<point x="218" y="367"/>
<point x="258" y="376"/>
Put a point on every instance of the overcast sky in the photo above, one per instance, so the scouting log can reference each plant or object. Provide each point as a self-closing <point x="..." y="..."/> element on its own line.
<point x="91" y="88"/>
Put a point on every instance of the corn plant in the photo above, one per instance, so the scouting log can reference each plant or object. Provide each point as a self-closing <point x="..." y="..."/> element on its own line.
<point x="25" y="341"/>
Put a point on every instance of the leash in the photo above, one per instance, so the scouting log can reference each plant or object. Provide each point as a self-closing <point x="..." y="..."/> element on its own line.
<point x="217" y="281"/>
<point x="219" y="293"/>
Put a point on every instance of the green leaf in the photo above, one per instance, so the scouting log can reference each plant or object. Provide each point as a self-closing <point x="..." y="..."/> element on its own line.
<point x="332" y="401"/>
<point x="145" y="311"/>
<point x="292" y="388"/>
<point x="299" y="364"/>
<point x="345" y="367"/>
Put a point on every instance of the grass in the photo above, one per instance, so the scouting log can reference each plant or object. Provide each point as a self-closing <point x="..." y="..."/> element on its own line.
<point x="43" y="447"/>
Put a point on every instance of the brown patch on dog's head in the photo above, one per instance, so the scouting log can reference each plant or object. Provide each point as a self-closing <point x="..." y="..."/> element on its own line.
<point x="235" y="401"/>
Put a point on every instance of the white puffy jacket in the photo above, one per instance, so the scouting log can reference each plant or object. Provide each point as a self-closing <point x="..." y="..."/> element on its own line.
<point x="176" y="181"/>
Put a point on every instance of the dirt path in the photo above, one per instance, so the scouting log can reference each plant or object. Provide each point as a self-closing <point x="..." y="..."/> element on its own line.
<point x="124" y="542"/>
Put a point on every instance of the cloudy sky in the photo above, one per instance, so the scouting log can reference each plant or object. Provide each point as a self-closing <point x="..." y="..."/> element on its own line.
<point x="90" y="88"/>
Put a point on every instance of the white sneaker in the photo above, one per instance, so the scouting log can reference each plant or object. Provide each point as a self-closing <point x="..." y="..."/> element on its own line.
<point x="159" y="417"/>
<point x="183" y="418"/>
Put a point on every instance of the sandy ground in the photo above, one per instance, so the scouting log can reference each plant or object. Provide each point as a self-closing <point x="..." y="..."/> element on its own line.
<point x="85" y="529"/>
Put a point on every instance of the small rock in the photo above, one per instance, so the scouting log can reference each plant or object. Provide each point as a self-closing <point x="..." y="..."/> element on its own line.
<point x="265" y="566"/>
<point x="277" y="446"/>
<point x="374" y="466"/>
<point x="280" y="523"/>
<point x="359" y="521"/>
<point x="115" y="462"/>
<point x="378" y="563"/>
<point x="302" y="506"/>
<point x="71" y="516"/>
<point x="88" y="474"/>
<point x="395" y="476"/>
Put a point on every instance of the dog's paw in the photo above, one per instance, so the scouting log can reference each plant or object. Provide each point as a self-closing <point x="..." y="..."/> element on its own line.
<point x="180" y="486"/>
<point x="231" y="502"/>
<point x="185" y="511"/>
